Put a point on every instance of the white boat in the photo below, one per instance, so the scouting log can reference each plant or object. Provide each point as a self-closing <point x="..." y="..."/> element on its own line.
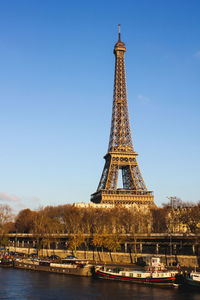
<point x="153" y="274"/>
<point x="193" y="279"/>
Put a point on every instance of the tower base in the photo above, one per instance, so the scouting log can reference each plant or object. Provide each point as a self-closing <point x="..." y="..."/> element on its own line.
<point x="123" y="197"/>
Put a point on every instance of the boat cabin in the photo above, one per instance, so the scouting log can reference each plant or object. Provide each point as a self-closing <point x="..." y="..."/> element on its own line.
<point x="195" y="276"/>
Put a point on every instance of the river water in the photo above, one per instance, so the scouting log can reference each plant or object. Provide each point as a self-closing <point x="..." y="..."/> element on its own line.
<point x="22" y="284"/>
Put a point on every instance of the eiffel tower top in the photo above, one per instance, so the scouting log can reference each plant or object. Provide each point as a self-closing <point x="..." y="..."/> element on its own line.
<point x="119" y="45"/>
<point x="120" y="133"/>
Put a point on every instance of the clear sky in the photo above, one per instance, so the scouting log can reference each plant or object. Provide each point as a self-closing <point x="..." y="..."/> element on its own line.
<point x="56" y="86"/>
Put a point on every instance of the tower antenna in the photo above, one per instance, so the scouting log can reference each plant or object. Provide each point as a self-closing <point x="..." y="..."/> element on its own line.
<point x="119" y="32"/>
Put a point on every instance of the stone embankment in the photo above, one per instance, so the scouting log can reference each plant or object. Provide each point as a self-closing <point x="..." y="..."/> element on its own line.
<point x="115" y="257"/>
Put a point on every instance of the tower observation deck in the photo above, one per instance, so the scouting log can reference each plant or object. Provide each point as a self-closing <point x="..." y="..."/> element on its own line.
<point x="121" y="154"/>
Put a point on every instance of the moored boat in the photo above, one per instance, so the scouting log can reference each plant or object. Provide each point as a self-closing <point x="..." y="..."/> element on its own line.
<point x="75" y="268"/>
<point x="193" y="279"/>
<point x="6" y="262"/>
<point x="153" y="274"/>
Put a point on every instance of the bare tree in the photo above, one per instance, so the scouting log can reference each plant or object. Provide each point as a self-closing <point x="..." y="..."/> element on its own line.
<point x="6" y="217"/>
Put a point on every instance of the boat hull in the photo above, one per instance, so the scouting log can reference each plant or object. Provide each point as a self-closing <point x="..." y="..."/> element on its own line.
<point x="77" y="271"/>
<point x="152" y="281"/>
<point x="6" y="265"/>
<point x="192" y="283"/>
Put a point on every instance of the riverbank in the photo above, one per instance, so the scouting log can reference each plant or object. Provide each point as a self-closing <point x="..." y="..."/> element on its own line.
<point x="155" y="271"/>
<point x="114" y="257"/>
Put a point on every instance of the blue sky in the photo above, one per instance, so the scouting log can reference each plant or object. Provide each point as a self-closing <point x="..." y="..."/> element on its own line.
<point x="56" y="85"/>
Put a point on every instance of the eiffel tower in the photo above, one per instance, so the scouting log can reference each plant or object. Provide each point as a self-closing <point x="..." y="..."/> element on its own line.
<point x="121" y="154"/>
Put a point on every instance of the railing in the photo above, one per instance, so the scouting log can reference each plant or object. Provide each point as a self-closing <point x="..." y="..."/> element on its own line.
<point x="123" y="192"/>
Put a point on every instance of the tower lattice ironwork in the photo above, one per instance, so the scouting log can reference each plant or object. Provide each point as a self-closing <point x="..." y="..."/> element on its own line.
<point x="121" y="154"/>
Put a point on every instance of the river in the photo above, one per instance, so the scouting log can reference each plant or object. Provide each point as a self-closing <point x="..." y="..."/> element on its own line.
<point x="22" y="284"/>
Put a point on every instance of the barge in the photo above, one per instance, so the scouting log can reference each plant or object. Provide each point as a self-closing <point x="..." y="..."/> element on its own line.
<point x="155" y="274"/>
<point x="78" y="268"/>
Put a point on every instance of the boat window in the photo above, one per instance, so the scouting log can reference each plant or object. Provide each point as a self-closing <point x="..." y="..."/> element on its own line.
<point x="138" y="275"/>
<point x="123" y="274"/>
<point x="131" y="274"/>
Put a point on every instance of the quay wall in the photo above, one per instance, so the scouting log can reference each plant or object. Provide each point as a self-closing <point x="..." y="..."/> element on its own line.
<point x="114" y="257"/>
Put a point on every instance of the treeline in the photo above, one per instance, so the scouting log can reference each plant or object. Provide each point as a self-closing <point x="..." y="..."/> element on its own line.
<point x="74" y="220"/>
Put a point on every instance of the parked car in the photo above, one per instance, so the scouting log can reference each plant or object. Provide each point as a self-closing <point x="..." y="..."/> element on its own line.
<point x="71" y="257"/>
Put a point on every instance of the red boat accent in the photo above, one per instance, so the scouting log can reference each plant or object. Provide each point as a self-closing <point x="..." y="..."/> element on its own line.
<point x="149" y="279"/>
